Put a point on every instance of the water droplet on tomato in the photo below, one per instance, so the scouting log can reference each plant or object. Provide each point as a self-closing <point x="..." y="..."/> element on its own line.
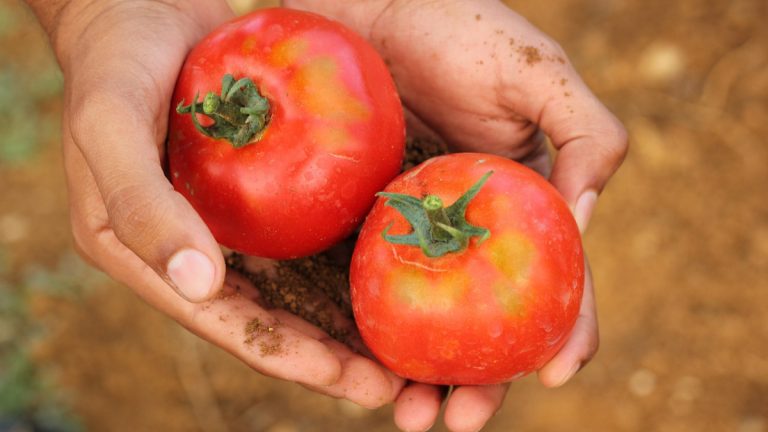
<point x="495" y="329"/>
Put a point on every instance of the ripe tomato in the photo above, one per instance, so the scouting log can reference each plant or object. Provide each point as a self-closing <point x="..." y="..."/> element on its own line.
<point x="446" y="297"/>
<point x="299" y="127"/>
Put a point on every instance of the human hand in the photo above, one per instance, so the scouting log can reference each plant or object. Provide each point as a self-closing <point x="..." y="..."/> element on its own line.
<point x="483" y="79"/>
<point x="120" y="62"/>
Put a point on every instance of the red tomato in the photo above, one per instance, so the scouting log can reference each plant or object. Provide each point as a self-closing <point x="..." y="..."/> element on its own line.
<point x="334" y="132"/>
<point x="500" y="305"/>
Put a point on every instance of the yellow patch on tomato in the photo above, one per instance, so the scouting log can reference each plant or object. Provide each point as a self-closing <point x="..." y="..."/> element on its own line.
<point x="249" y="45"/>
<point x="323" y="92"/>
<point x="501" y="204"/>
<point x="508" y="297"/>
<point x="413" y="287"/>
<point x="418" y="367"/>
<point x="512" y="254"/>
<point x="449" y="349"/>
<point x="288" y="52"/>
<point x="332" y="139"/>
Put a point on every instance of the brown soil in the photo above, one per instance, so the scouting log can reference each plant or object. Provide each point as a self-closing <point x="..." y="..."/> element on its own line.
<point x="678" y="246"/>
<point x="314" y="288"/>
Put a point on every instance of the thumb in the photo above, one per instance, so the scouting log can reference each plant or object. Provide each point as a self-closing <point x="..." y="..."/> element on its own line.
<point x="591" y="144"/>
<point x="146" y="214"/>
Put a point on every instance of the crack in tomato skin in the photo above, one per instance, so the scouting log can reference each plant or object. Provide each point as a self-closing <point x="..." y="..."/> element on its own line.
<point x="415" y="263"/>
<point x="492" y="313"/>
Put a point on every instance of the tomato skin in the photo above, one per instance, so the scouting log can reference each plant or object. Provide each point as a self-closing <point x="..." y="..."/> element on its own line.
<point x="335" y="136"/>
<point x="489" y="314"/>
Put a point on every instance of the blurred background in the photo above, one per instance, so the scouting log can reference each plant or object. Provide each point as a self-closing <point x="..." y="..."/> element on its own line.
<point x="679" y="249"/>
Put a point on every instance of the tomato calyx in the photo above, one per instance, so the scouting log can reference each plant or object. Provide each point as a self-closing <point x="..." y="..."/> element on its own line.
<point x="240" y="114"/>
<point x="437" y="229"/>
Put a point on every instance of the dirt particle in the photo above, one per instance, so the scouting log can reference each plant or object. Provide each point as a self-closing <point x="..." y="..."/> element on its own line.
<point x="531" y="54"/>
<point x="270" y="341"/>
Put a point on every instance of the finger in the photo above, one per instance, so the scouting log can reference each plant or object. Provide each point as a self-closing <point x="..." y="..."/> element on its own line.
<point x="582" y="344"/>
<point x="156" y="223"/>
<point x="470" y="407"/>
<point x="590" y="140"/>
<point x="417" y="407"/>
<point x="362" y="380"/>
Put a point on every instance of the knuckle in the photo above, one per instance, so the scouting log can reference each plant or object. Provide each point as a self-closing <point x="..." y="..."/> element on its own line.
<point x="593" y="346"/>
<point x="84" y="242"/>
<point x="616" y="142"/>
<point x="86" y="113"/>
<point x="556" y="50"/>
<point x="86" y="256"/>
<point x="620" y="134"/>
<point x="80" y="244"/>
<point x="135" y="215"/>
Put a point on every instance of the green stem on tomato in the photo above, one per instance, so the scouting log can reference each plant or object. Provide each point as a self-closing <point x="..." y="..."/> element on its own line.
<point x="436" y="229"/>
<point x="240" y="114"/>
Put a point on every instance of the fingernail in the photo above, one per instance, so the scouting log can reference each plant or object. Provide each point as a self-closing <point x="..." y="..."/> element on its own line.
<point x="582" y="212"/>
<point x="192" y="272"/>
<point x="568" y="375"/>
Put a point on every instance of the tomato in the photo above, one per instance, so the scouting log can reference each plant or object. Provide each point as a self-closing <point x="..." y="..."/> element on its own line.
<point x="295" y="127"/>
<point x="481" y="291"/>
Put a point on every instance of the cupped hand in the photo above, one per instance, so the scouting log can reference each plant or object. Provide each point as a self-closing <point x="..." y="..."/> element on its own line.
<point x="120" y="61"/>
<point x="482" y="78"/>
